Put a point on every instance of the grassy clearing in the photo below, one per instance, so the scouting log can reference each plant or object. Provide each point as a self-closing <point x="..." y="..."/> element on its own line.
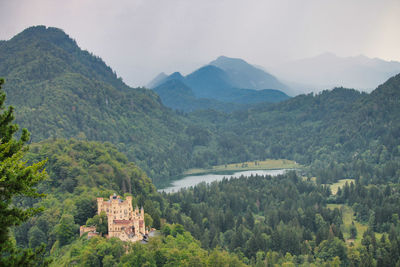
<point x="348" y="218"/>
<point x="268" y="164"/>
<point x="335" y="186"/>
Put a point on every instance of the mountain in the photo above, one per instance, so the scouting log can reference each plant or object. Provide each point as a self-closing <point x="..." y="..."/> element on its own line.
<point x="177" y="95"/>
<point x="160" y="79"/>
<point x="327" y="71"/>
<point x="213" y="87"/>
<point x="245" y="75"/>
<point x="209" y="88"/>
<point x="157" y="80"/>
<point x="62" y="91"/>
<point x="209" y="81"/>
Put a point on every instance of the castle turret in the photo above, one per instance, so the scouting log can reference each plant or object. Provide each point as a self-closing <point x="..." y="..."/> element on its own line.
<point x="99" y="205"/>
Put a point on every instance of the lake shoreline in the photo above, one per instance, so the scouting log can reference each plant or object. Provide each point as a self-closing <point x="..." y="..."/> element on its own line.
<point x="188" y="181"/>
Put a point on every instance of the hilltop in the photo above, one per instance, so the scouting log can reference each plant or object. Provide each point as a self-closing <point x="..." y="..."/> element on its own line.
<point x="61" y="91"/>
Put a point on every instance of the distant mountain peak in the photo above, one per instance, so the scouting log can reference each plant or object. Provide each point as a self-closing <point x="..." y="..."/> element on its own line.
<point x="50" y="34"/>
<point x="176" y="75"/>
<point x="245" y="75"/>
<point x="225" y="59"/>
<point x="210" y="69"/>
<point x="157" y="80"/>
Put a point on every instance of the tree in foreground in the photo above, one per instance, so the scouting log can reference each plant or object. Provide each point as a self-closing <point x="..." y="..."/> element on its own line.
<point x="17" y="179"/>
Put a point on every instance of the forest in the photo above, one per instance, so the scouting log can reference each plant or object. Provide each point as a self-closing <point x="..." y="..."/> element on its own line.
<point x="117" y="139"/>
<point x="338" y="133"/>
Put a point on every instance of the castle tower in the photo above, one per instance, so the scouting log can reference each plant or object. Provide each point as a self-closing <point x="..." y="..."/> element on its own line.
<point x="99" y="205"/>
<point x="123" y="222"/>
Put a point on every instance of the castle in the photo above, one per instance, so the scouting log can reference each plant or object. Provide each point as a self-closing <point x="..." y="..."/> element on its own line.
<point x="124" y="222"/>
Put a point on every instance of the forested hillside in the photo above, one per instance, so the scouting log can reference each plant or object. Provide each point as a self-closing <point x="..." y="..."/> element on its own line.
<point x="58" y="92"/>
<point x="340" y="133"/>
<point x="290" y="221"/>
<point x="257" y="220"/>
<point x="80" y="171"/>
<point x="61" y="91"/>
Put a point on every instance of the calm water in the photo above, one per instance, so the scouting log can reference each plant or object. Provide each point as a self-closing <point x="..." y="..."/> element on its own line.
<point x="193" y="180"/>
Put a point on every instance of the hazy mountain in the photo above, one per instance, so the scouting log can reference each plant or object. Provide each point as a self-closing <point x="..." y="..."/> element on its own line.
<point x="162" y="78"/>
<point x="177" y="95"/>
<point x="157" y="80"/>
<point x="210" y="88"/>
<point x="245" y="75"/>
<point x="327" y="70"/>
<point x="210" y="83"/>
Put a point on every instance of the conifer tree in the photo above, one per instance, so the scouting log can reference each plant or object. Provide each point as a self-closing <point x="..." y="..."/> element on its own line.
<point x="17" y="179"/>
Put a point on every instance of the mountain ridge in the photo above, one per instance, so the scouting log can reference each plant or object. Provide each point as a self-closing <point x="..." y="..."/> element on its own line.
<point x="245" y="75"/>
<point x="68" y="102"/>
<point x="64" y="93"/>
<point x="211" y="83"/>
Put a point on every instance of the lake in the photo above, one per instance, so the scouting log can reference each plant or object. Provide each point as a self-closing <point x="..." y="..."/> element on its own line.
<point x="193" y="180"/>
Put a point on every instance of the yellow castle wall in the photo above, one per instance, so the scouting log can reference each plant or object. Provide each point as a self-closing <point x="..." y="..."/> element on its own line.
<point x="121" y="210"/>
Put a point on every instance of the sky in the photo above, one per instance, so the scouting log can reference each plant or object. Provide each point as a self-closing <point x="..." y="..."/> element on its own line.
<point x="141" y="38"/>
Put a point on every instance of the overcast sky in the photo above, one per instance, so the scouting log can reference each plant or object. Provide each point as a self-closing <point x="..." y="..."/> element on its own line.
<point x="141" y="38"/>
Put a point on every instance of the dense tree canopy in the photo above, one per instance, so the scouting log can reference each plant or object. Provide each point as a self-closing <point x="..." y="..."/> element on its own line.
<point x="17" y="179"/>
<point x="339" y="133"/>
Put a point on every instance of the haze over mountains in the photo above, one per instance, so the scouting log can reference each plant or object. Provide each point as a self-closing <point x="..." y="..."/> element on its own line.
<point x="245" y="75"/>
<point x="224" y="80"/>
<point x="328" y="70"/>
<point x="325" y="71"/>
